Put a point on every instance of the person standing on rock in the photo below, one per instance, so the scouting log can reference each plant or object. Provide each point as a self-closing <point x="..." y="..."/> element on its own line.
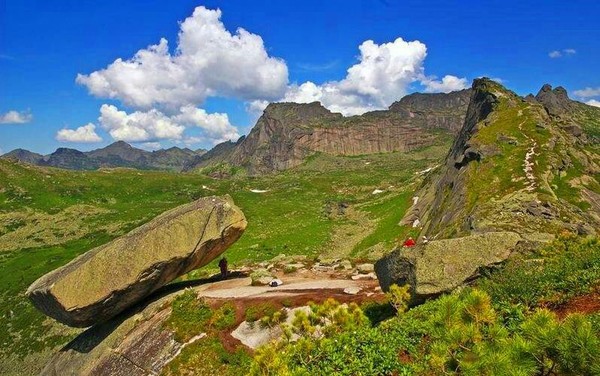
<point x="223" y="267"/>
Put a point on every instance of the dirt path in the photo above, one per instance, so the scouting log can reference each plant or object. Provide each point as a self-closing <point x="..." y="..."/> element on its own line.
<point x="240" y="288"/>
<point x="528" y="162"/>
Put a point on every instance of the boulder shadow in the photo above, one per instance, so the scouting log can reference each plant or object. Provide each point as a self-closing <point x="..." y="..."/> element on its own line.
<point x="94" y="335"/>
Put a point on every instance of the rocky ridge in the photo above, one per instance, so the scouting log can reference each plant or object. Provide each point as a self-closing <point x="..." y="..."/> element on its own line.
<point x="518" y="164"/>
<point x="288" y="133"/>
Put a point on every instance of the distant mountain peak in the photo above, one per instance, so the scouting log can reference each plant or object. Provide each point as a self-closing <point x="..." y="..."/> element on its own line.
<point x="119" y="145"/>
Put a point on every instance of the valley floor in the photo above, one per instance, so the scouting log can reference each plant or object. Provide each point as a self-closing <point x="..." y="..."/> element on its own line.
<point x="325" y="207"/>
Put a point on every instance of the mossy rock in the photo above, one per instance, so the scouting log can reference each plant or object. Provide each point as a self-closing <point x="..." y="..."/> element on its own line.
<point x="108" y="279"/>
<point x="443" y="265"/>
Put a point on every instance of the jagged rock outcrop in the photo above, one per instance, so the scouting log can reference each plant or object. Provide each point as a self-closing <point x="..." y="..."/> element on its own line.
<point x="287" y="133"/>
<point x="108" y="279"/>
<point x="555" y="101"/>
<point x="118" y="154"/>
<point x="442" y="265"/>
<point x="511" y="168"/>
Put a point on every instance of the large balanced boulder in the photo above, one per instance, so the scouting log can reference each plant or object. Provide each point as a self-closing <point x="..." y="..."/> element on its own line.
<point x="108" y="279"/>
<point x="442" y="265"/>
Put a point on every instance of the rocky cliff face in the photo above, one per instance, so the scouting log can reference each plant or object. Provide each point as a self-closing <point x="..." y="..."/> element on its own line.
<point x="439" y="110"/>
<point x="516" y="165"/>
<point x="287" y="133"/>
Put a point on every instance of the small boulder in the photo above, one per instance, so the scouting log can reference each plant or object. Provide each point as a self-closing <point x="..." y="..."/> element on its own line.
<point x="261" y="277"/>
<point x="106" y="280"/>
<point x="359" y="277"/>
<point x="352" y="290"/>
<point x="319" y="268"/>
<point x="365" y="268"/>
<point x="346" y="265"/>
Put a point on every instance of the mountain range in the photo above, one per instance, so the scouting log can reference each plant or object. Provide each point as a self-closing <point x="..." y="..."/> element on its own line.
<point x="118" y="154"/>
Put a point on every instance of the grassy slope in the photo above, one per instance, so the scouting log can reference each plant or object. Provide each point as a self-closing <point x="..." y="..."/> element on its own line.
<point x="290" y="218"/>
<point x="496" y="187"/>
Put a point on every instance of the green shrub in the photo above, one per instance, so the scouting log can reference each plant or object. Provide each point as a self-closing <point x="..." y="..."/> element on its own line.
<point x="378" y="312"/>
<point x="190" y="316"/>
<point x="568" y="267"/>
<point x="274" y="318"/>
<point x="255" y="313"/>
<point x="458" y="334"/>
<point x="289" y="269"/>
<point x="399" y="297"/>
<point x="207" y="356"/>
<point x="224" y="316"/>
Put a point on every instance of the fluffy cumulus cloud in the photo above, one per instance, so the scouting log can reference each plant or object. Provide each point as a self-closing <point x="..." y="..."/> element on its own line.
<point x="216" y="127"/>
<point x="139" y="126"/>
<point x="588" y="95"/>
<point x="166" y="87"/>
<point x="86" y="134"/>
<point x="154" y="125"/>
<point x="447" y="84"/>
<point x="208" y="61"/>
<point x="382" y="75"/>
<point x="15" y="117"/>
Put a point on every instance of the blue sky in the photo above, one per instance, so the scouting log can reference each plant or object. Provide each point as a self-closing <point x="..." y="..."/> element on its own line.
<point x="217" y="86"/>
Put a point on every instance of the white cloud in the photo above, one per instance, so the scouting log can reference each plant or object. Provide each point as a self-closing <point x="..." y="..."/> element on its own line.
<point x="555" y="54"/>
<point x="215" y="127"/>
<point x="139" y="126"/>
<point x="165" y="87"/>
<point x="15" y="117"/>
<point x="560" y="53"/>
<point x="382" y="75"/>
<point x="154" y="125"/>
<point x="150" y="146"/>
<point x="208" y="61"/>
<point x="593" y="102"/>
<point x="193" y="140"/>
<point x="256" y="107"/>
<point x="588" y="92"/>
<point x="447" y="84"/>
<point x="86" y="133"/>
